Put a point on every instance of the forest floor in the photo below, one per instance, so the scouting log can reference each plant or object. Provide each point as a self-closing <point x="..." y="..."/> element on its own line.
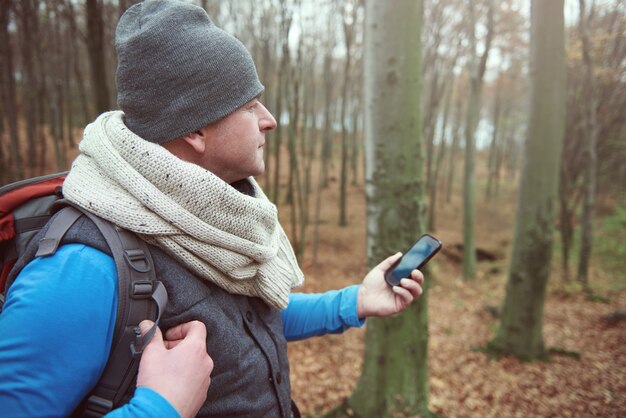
<point x="586" y="375"/>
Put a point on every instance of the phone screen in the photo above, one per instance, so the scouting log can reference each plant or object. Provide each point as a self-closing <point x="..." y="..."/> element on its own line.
<point x="416" y="257"/>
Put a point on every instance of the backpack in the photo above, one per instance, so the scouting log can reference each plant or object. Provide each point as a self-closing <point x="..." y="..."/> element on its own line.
<point x="25" y="208"/>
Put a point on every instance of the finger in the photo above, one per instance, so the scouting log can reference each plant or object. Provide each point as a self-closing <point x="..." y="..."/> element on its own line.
<point x="417" y="276"/>
<point x="157" y="338"/>
<point x="388" y="262"/>
<point x="192" y="329"/>
<point x="172" y="343"/>
<point x="412" y="286"/>
<point x="404" y="294"/>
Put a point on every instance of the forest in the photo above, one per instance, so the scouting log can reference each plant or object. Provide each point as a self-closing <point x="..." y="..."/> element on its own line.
<point x="498" y="126"/>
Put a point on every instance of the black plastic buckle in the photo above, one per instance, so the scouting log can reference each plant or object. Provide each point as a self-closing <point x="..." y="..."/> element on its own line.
<point x="97" y="406"/>
<point x="136" y="347"/>
<point x="141" y="289"/>
<point x="137" y="260"/>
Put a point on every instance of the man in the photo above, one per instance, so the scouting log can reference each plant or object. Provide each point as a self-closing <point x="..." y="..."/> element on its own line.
<point x="176" y="167"/>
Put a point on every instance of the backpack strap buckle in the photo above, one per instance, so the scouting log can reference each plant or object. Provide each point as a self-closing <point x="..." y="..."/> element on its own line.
<point x="158" y="293"/>
<point x="96" y="406"/>
<point x="141" y="289"/>
<point x="138" y="260"/>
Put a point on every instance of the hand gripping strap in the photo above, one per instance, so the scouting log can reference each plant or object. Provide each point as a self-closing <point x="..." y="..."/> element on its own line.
<point x="138" y="292"/>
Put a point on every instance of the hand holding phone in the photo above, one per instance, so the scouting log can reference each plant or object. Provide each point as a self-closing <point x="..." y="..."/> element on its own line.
<point x="415" y="258"/>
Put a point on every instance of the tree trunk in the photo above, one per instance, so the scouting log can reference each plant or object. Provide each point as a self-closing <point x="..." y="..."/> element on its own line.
<point x="296" y="191"/>
<point x="80" y="83"/>
<point x="395" y="371"/>
<point x="268" y="79"/>
<point x="356" y="123"/>
<point x="56" y="96"/>
<point x="285" y="28"/>
<point x="96" y="52"/>
<point x="454" y="149"/>
<point x="500" y="148"/>
<point x="28" y="36"/>
<point x="434" y="177"/>
<point x="591" y="159"/>
<point x="43" y="102"/>
<point x="477" y="71"/>
<point x="492" y="161"/>
<point x="520" y="331"/>
<point x="10" y="101"/>
<point x="327" y="140"/>
<point x="277" y="134"/>
<point x="566" y="224"/>
<point x="348" y="31"/>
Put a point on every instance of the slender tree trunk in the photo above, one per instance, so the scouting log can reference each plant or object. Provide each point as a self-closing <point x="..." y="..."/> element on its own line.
<point x="78" y="76"/>
<point x="318" y="206"/>
<point x="327" y="140"/>
<point x="395" y="371"/>
<point x="10" y="101"/>
<point x="354" y="156"/>
<point x="477" y="71"/>
<point x="56" y="97"/>
<point x="285" y="28"/>
<point x="96" y="52"/>
<point x="430" y="121"/>
<point x="433" y="186"/>
<point x="591" y="159"/>
<point x="67" y="81"/>
<point x="348" y="30"/>
<point x="493" y="148"/>
<point x="454" y="149"/>
<point x="566" y="227"/>
<point x="520" y="331"/>
<point x="296" y="189"/>
<point x="278" y="132"/>
<point x="310" y="134"/>
<point x="500" y="149"/>
<point x="43" y="102"/>
<point x="268" y="95"/>
<point x="28" y="37"/>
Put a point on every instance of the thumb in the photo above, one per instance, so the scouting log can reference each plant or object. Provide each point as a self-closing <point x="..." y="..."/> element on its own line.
<point x="388" y="262"/>
<point x="157" y="338"/>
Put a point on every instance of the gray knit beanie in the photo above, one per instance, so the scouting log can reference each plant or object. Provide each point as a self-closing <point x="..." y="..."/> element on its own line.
<point x="177" y="72"/>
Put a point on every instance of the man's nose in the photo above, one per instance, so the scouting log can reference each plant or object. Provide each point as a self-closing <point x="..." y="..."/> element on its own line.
<point x="267" y="121"/>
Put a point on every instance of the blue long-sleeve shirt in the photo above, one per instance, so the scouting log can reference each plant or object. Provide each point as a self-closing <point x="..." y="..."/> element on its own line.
<point x="56" y="330"/>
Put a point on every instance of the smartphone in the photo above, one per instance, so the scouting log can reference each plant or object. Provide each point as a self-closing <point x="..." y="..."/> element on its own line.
<point x="415" y="258"/>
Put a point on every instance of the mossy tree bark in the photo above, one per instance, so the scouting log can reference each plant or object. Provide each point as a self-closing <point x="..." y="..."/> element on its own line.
<point x="394" y="380"/>
<point x="520" y="331"/>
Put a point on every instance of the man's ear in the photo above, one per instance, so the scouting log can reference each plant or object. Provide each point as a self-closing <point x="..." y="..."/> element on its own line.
<point x="197" y="141"/>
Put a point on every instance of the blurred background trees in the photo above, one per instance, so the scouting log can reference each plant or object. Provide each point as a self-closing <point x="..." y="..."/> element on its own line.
<point x="58" y="66"/>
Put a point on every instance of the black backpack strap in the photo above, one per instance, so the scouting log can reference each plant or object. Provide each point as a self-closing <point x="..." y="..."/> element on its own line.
<point x="59" y="226"/>
<point x="139" y="291"/>
<point x="140" y="296"/>
<point x="51" y="240"/>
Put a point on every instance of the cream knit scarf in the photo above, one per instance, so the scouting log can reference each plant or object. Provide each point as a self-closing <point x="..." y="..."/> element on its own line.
<point x="220" y="234"/>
